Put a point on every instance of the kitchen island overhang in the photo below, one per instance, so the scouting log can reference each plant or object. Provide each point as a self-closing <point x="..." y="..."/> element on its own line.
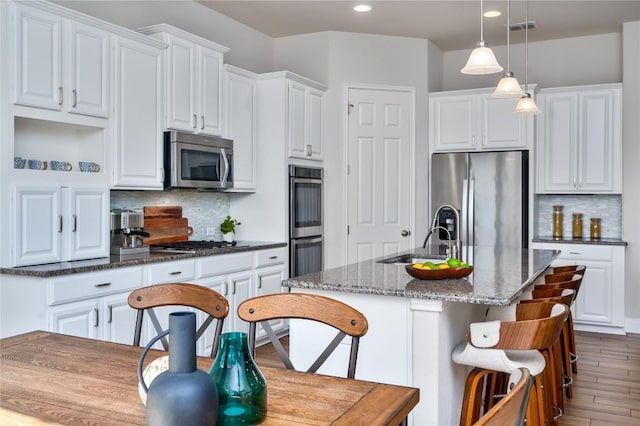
<point x="414" y="325"/>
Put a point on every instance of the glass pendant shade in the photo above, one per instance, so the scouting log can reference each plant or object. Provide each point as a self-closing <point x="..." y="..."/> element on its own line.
<point x="481" y="61"/>
<point x="508" y="87"/>
<point x="527" y="106"/>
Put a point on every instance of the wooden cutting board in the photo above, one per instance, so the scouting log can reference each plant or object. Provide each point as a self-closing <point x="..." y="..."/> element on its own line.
<point x="153" y="212"/>
<point x="166" y="230"/>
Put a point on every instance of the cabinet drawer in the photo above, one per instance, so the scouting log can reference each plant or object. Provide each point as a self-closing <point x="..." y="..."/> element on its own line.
<point x="176" y="271"/>
<point x="225" y="263"/>
<point x="579" y="251"/>
<point x="270" y="257"/>
<point x="92" y="284"/>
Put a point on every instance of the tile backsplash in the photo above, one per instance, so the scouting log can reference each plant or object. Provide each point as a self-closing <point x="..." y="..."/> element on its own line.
<point x="606" y="207"/>
<point x="204" y="209"/>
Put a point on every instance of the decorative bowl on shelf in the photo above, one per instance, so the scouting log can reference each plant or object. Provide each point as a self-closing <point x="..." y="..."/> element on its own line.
<point x="439" y="274"/>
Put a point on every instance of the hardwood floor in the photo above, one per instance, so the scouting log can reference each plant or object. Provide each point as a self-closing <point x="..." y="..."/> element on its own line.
<point x="606" y="390"/>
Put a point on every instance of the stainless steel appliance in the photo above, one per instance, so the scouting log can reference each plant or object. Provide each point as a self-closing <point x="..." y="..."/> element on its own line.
<point x="490" y="190"/>
<point x="127" y="231"/>
<point x="196" y="161"/>
<point x="305" y="219"/>
<point x="193" y="246"/>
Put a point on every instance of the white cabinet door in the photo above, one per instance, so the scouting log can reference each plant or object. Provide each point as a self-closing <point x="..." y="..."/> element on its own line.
<point x="269" y="281"/>
<point x="315" y="125"/>
<point x="181" y="91"/>
<point x="75" y="319"/>
<point x="117" y="320"/>
<point x="220" y="285"/>
<point x="501" y="128"/>
<point x="297" y="117"/>
<point x="453" y="122"/>
<point x="209" y="84"/>
<point x="138" y="161"/>
<point x="38" y="225"/>
<point x="37" y="57"/>
<point x="240" y="289"/>
<point x="580" y="142"/>
<point x="89" y="71"/>
<point x="240" y="107"/>
<point x="88" y="230"/>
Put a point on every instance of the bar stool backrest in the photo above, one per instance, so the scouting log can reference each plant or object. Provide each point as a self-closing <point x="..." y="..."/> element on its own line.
<point x="578" y="269"/>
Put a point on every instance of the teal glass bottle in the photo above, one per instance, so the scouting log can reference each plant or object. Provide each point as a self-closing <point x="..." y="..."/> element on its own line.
<point x="242" y="389"/>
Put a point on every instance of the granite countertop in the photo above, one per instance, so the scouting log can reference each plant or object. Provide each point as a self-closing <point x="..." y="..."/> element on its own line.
<point x="584" y="240"/>
<point x="498" y="278"/>
<point x="104" y="263"/>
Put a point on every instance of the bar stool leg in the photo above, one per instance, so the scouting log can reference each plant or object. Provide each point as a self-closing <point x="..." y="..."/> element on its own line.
<point x="471" y="402"/>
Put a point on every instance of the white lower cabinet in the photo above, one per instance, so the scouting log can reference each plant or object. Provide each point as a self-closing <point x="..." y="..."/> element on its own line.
<point x="269" y="275"/>
<point x="600" y="303"/>
<point x="94" y="304"/>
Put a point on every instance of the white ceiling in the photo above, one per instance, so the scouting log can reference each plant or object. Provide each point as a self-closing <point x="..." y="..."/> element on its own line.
<point x="450" y="24"/>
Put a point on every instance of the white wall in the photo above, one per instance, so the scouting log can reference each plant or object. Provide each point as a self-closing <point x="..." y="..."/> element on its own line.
<point x="337" y="59"/>
<point x="631" y="177"/>
<point x="563" y="62"/>
<point x="250" y="49"/>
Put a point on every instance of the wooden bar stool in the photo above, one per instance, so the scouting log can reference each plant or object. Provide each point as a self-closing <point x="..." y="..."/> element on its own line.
<point x="504" y="346"/>
<point x="571" y="281"/>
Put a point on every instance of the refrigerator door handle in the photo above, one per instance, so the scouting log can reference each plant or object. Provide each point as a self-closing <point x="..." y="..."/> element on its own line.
<point x="471" y="212"/>
<point x="464" y="236"/>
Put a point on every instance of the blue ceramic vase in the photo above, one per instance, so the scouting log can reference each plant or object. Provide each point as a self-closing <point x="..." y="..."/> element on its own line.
<point x="183" y="395"/>
<point x="242" y="389"/>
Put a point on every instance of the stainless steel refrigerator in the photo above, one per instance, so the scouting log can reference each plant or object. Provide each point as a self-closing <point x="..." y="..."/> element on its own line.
<point x="490" y="190"/>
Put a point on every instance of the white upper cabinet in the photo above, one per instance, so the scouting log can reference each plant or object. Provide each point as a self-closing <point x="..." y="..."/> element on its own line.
<point x="580" y="140"/>
<point x="306" y="121"/>
<point x="59" y="64"/>
<point x="138" y="154"/>
<point x="470" y="120"/>
<point x="240" y="111"/>
<point x="54" y="224"/>
<point x="193" y="68"/>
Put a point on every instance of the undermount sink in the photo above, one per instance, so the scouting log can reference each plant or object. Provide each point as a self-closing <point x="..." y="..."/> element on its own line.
<point x="410" y="259"/>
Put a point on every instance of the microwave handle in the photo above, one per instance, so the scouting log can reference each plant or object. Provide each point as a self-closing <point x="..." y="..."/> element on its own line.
<point x="225" y="170"/>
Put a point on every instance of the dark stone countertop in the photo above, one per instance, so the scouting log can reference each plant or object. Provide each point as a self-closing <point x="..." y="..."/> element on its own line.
<point x="104" y="263"/>
<point x="499" y="277"/>
<point x="585" y="240"/>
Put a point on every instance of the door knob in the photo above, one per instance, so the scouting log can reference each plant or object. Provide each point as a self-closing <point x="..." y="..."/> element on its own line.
<point x="405" y="233"/>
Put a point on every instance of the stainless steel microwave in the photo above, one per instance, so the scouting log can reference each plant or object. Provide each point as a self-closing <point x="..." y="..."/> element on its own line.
<point x="196" y="161"/>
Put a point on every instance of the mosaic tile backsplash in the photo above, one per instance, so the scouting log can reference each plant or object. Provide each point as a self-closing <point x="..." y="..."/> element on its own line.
<point x="204" y="209"/>
<point x="606" y="207"/>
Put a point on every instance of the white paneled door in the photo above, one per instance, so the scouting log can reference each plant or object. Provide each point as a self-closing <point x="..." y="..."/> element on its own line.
<point x="380" y="165"/>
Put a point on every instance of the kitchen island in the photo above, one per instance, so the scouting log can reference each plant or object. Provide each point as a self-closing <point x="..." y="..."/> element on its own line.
<point x="413" y="324"/>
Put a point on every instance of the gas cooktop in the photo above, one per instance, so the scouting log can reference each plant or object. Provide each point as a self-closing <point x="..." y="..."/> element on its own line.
<point x="192" y="246"/>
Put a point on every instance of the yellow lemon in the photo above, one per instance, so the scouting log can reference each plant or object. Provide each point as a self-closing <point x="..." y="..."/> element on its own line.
<point x="417" y="265"/>
<point x="443" y="266"/>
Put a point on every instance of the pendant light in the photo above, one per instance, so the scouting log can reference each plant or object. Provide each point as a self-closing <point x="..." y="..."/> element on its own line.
<point x="508" y="87"/>
<point x="482" y="60"/>
<point x="526" y="104"/>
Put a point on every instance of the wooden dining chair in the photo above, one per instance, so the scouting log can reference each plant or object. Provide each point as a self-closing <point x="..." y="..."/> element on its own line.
<point x="179" y="294"/>
<point x="512" y="408"/>
<point x="345" y="319"/>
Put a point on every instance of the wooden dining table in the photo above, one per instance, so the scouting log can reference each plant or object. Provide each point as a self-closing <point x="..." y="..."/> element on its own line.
<point x="49" y="378"/>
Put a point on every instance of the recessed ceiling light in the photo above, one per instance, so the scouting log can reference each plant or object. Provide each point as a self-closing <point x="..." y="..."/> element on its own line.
<point x="492" y="14"/>
<point x="362" y="8"/>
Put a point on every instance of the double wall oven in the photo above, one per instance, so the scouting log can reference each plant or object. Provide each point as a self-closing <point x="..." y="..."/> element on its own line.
<point x="306" y="219"/>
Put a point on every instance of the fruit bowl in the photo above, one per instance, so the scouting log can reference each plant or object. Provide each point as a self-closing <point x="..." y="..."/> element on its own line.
<point x="439" y="274"/>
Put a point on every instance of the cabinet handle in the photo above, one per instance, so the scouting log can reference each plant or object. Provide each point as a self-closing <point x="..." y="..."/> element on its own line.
<point x="473" y="141"/>
<point x="202" y="122"/>
<point x="226" y="288"/>
<point x="273" y="257"/>
<point x="575" y="252"/>
<point x="308" y="150"/>
<point x="102" y="285"/>
<point x="175" y="273"/>
<point x="75" y="98"/>
<point x="234" y="288"/>
<point x="484" y="140"/>
<point x="60" y="96"/>
<point x="575" y="185"/>
<point x="195" y="121"/>
<point x="97" y="317"/>
<point x="75" y="223"/>
<point x="110" y="317"/>
<point x="260" y="282"/>
<point x="59" y="223"/>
